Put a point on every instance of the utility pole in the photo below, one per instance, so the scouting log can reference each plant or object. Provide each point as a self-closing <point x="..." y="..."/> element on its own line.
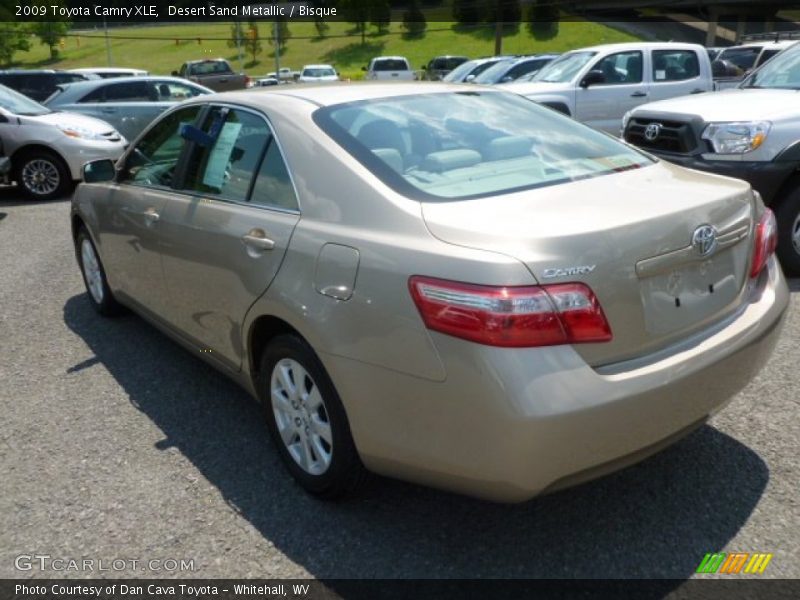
<point x="239" y="44"/>
<point x="498" y="38"/>
<point x="108" y="44"/>
<point x="276" y="36"/>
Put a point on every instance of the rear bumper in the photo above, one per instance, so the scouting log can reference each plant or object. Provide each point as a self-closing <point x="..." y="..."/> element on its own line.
<point x="508" y="424"/>
<point x="766" y="177"/>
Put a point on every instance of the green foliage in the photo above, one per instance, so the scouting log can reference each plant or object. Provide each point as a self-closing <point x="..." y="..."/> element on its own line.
<point x="50" y="32"/>
<point x="321" y="26"/>
<point x="13" y="39"/>
<point x="414" y="21"/>
<point x="380" y="15"/>
<point x="542" y="19"/>
<point x="467" y="12"/>
<point x="281" y="27"/>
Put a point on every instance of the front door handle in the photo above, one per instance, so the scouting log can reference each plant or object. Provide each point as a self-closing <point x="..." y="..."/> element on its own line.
<point x="151" y="215"/>
<point x="638" y="94"/>
<point x="257" y="239"/>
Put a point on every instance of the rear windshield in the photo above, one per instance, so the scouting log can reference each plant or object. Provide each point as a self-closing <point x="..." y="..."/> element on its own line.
<point x="459" y="145"/>
<point x="318" y="72"/>
<point x="449" y="63"/>
<point x="209" y="68"/>
<point x="390" y="64"/>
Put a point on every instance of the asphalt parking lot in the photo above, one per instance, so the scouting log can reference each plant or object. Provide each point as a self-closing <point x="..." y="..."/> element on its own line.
<point x="116" y="443"/>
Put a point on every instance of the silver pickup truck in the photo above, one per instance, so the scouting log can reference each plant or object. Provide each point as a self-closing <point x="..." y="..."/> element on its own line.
<point x="214" y="73"/>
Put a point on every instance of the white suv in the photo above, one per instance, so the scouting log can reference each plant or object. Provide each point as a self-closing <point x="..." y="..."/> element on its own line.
<point x="389" y="68"/>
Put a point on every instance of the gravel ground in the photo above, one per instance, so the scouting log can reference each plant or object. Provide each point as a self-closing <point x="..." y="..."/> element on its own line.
<point x="117" y="444"/>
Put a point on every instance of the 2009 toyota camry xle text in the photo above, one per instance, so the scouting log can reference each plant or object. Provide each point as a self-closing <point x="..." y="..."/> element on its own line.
<point x="449" y="285"/>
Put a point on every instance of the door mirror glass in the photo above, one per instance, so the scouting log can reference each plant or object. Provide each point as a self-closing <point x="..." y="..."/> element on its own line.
<point x="99" y="171"/>
<point x="593" y="78"/>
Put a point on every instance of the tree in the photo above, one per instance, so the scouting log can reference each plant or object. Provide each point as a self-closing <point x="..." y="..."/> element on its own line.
<point x="414" y="21"/>
<point x="252" y="43"/>
<point x="357" y="13"/>
<point x="543" y="19"/>
<point x="50" y="32"/>
<point x="380" y="15"/>
<point x="13" y="39"/>
<point x="467" y="12"/>
<point x="321" y="26"/>
<point x="281" y="28"/>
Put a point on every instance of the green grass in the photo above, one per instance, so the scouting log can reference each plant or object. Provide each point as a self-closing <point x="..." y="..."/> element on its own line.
<point x="341" y="47"/>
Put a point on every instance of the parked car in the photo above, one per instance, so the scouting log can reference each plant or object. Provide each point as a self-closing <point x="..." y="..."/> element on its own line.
<point x="469" y="70"/>
<point x="389" y="68"/>
<point x="48" y="149"/>
<point x="713" y="52"/>
<point x="735" y="62"/>
<point x="38" y="85"/>
<point x="127" y="103"/>
<point x="751" y="132"/>
<point x="598" y="85"/>
<point x="317" y="73"/>
<point x="284" y="75"/>
<point x="214" y="73"/>
<point x="111" y="72"/>
<point x="264" y="82"/>
<point x="438" y="67"/>
<point x="464" y="289"/>
<point x="511" y="69"/>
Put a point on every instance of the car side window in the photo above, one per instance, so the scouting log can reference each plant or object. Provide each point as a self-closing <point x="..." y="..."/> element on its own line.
<point x="138" y="91"/>
<point x="153" y="160"/>
<point x="95" y="96"/>
<point x="170" y="91"/>
<point x="621" y="68"/>
<point x="675" y="65"/>
<point x="273" y="186"/>
<point x="224" y="163"/>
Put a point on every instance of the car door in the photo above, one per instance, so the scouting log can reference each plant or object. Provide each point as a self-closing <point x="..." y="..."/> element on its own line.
<point x="129" y="229"/>
<point x="229" y="229"/>
<point x="675" y="73"/>
<point x="602" y="105"/>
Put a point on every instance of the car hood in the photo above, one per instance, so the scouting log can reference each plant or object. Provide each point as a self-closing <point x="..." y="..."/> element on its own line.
<point x="533" y="88"/>
<point x="68" y="119"/>
<point x="730" y="105"/>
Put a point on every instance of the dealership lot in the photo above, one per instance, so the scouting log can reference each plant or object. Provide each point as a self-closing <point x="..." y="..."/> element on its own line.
<point x="118" y="444"/>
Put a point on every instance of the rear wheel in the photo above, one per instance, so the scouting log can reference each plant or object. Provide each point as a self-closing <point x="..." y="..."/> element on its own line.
<point x="43" y="175"/>
<point x="307" y="420"/>
<point x="788" y="215"/>
<point x="94" y="276"/>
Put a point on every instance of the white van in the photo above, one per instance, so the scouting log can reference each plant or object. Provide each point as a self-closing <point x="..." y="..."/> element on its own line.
<point x="389" y="68"/>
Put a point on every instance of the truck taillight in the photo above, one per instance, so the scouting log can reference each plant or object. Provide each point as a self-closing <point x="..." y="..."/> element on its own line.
<point x="519" y="316"/>
<point x="764" y="242"/>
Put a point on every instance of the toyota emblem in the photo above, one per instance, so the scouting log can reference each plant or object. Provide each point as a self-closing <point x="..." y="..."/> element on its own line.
<point x="704" y="240"/>
<point x="651" y="131"/>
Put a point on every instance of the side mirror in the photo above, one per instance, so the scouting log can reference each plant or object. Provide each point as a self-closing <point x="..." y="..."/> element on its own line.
<point x="363" y="68"/>
<point x="175" y="74"/>
<point x="506" y="79"/>
<point x="424" y="67"/>
<point x="593" y="78"/>
<point x="470" y="78"/>
<point x="99" y="171"/>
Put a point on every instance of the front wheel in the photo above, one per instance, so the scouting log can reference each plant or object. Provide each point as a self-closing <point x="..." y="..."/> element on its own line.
<point x="307" y="419"/>
<point x="43" y="176"/>
<point x="94" y="276"/>
<point x="788" y="216"/>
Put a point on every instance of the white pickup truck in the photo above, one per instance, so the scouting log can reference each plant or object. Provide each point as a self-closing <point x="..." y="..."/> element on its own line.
<point x="598" y="85"/>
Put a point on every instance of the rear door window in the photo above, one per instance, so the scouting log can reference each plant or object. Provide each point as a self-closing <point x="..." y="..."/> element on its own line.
<point x="675" y="65"/>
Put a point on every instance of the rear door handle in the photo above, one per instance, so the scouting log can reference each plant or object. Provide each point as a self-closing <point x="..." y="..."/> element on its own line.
<point x="638" y="94"/>
<point x="151" y="215"/>
<point x="257" y="239"/>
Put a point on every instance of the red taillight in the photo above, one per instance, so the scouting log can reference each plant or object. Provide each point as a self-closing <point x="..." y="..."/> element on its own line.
<point x="567" y="313"/>
<point x="764" y="242"/>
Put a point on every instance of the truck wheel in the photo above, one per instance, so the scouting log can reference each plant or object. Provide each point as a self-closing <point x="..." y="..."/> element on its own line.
<point x="788" y="214"/>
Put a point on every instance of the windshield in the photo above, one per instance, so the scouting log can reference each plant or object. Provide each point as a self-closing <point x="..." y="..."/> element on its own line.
<point x="458" y="145"/>
<point x="564" y="68"/>
<point x="495" y="72"/>
<point x="472" y="67"/>
<point x="782" y="71"/>
<point x="18" y="104"/>
<point x="744" y="57"/>
<point x="319" y="72"/>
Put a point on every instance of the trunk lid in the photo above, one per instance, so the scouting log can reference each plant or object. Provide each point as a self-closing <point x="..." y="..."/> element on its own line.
<point x="629" y="236"/>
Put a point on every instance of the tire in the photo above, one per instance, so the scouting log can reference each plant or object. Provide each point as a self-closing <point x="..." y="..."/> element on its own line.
<point x="307" y="420"/>
<point x="43" y="175"/>
<point x="787" y="213"/>
<point x="94" y="276"/>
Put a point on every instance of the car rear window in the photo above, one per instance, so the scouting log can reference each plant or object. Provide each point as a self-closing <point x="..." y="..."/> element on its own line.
<point x="390" y="64"/>
<point x="459" y="145"/>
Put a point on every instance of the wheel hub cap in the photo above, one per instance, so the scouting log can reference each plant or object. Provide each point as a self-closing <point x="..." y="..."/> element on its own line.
<point x="301" y="416"/>
<point x="41" y="177"/>
<point x="91" y="271"/>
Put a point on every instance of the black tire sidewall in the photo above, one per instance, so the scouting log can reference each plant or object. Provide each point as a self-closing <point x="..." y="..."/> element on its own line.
<point x="786" y="213"/>
<point x="344" y="471"/>
<point x="65" y="179"/>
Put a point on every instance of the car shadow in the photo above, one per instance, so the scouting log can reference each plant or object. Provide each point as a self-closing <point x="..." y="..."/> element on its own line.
<point x="653" y="520"/>
<point x="11" y="195"/>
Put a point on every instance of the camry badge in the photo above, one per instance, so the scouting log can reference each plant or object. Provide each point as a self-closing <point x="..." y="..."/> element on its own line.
<point x="584" y="270"/>
<point x="704" y="240"/>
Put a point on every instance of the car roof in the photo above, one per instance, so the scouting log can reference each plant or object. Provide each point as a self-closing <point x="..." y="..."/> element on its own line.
<point x="107" y="70"/>
<point x="81" y="87"/>
<point x="334" y="93"/>
<point x="623" y="46"/>
<point x="390" y="58"/>
<point x="319" y="66"/>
